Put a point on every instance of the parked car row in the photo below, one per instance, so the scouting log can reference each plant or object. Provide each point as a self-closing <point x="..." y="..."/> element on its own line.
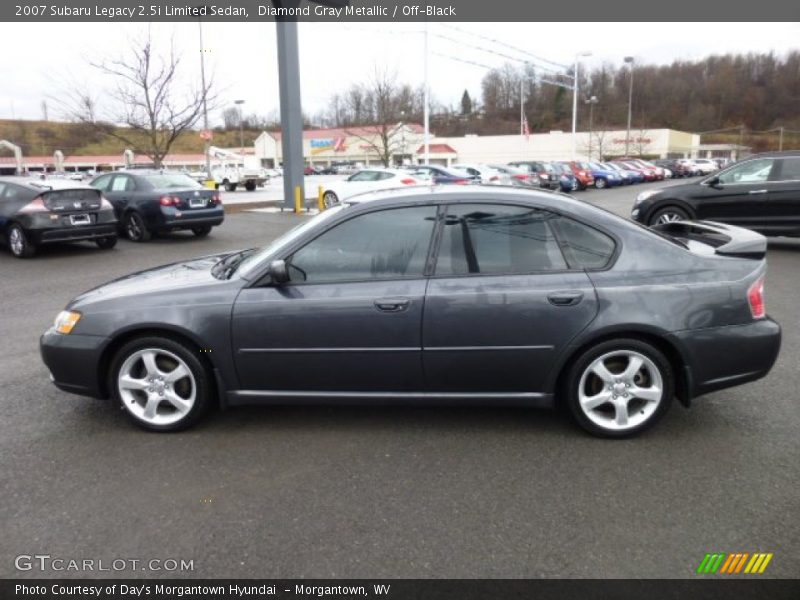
<point x="137" y="204"/>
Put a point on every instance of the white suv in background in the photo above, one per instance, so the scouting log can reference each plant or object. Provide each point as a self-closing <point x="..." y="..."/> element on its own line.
<point x="704" y="165"/>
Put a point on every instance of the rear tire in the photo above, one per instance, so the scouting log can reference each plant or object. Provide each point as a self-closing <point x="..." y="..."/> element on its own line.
<point x="201" y="231"/>
<point x="668" y="214"/>
<point x="619" y="388"/>
<point x="600" y="183"/>
<point x="160" y="383"/>
<point x="135" y="228"/>
<point x="106" y="243"/>
<point x="18" y="242"/>
<point x="330" y="199"/>
<point x="250" y="186"/>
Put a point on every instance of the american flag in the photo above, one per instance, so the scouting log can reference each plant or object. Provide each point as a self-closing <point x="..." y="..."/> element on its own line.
<point x="525" y="130"/>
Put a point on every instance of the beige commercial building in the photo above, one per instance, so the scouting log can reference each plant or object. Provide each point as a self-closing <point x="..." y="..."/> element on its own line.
<point x="359" y="145"/>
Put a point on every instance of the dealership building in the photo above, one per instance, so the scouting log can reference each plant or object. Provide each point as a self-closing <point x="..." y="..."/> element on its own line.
<point x="324" y="147"/>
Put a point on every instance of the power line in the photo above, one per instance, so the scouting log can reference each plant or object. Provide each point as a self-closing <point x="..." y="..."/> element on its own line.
<point x="463" y="60"/>
<point x="509" y="46"/>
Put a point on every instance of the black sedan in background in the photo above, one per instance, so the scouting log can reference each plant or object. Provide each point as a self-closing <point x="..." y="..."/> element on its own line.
<point x="443" y="175"/>
<point x="761" y="192"/>
<point x="43" y="211"/>
<point x="155" y="201"/>
<point x="453" y="294"/>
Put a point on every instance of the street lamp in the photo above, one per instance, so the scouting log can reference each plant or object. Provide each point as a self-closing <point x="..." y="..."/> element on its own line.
<point x="629" y="60"/>
<point x="591" y="101"/>
<point x="575" y="101"/>
<point x="241" y="123"/>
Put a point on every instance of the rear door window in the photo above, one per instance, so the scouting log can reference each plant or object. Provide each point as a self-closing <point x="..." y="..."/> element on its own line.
<point x="788" y="170"/>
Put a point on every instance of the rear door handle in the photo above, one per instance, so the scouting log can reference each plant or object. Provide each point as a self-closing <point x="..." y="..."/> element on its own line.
<point x="565" y="298"/>
<point x="757" y="192"/>
<point x="392" y="304"/>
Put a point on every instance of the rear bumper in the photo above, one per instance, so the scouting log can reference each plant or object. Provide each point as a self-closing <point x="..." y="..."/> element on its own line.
<point x="72" y="234"/>
<point x="171" y="218"/>
<point x="723" y="357"/>
<point x="73" y="361"/>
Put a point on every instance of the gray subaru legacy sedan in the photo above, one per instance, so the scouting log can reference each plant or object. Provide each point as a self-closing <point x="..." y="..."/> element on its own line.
<point x="434" y="295"/>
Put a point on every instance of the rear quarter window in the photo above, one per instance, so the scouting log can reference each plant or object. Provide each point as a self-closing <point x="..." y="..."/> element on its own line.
<point x="584" y="247"/>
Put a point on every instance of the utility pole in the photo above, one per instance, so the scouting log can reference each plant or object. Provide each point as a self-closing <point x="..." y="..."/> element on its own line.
<point x="241" y="125"/>
<point x="629" y="60"/>
<point x="206" y="140"/>
<point x="575" y="103"/>
<point x="591" y="102"/>
<point x="780" y="139"/>
<point x="426" y="109"/>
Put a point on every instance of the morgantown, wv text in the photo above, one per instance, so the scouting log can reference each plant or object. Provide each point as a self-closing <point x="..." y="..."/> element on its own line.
<point x="210" y="591"/>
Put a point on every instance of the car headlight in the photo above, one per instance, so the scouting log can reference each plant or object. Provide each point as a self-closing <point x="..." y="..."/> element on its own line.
<point x="644" y="196"/>
<point x="66" y="320"/>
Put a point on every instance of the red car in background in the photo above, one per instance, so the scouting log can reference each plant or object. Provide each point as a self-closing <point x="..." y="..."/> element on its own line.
<point x="648" y="173"/>
<point x="584" y="176"/>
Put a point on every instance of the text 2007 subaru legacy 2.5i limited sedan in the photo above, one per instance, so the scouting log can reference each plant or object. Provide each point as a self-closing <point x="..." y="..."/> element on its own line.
<point x="476" y="294"/>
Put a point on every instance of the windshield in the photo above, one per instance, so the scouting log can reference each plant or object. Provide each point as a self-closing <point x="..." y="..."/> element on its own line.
<point x="163" y="181"/>
<point x="251" y="263"/>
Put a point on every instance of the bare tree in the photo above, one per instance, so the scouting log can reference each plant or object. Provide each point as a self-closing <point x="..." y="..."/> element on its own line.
<point x="146" y="99"/>
<point x="387" y="103"/>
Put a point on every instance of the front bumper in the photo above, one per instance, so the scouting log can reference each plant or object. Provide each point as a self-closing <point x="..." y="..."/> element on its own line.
<point x="723" y="357"/>
<point x="73" y="361"/>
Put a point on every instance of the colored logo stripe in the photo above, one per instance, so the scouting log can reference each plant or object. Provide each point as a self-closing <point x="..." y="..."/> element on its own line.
<point x="734" y="563"/>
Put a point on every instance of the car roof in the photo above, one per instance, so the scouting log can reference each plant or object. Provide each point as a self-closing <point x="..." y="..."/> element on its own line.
<point x="45" y="185"/>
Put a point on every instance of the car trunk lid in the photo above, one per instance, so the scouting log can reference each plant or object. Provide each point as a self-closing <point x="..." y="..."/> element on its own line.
<point x="72" y="200"/>
<point x="723" y="239"/>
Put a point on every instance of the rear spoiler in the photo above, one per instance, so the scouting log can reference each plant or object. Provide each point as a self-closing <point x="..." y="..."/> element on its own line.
<point x="727" y="240"/>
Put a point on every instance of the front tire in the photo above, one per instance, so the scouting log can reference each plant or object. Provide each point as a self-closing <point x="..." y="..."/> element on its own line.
<point x="160" y="383"/>
<point x="668" y="214"/>
<point x="619" y="388"/>
<point x="18" y="242"/>
<point x="600" y="183"/>
<point x="135" y="228"/>
<point x="330" y="199"/>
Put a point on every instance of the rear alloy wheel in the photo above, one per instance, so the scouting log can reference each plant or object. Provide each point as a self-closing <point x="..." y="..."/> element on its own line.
<point x="599" y="183"/>
<point x="620" y="388"/>
<point x="106" y="243"/>
<point x="135" y="228"/>
<point x="160" y="383"/>
<point x="250" y="186"/>
<point x="330" y="199"/>
<point x="669" y="214"/>
<point x="201" y="231"/>
<point x="18" y="242"/>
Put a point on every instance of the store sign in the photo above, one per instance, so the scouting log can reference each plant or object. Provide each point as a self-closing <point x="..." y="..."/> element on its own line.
<point x="638" y="140"/>
<point x="318" y="146"/>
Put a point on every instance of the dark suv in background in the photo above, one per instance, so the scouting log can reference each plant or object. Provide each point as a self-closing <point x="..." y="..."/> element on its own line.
<point x="761" y="192"/>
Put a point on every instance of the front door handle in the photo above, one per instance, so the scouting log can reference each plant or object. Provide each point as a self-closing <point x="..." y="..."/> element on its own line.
<point x="392" y="304"/>
<point x="565" y="298"/>
<point x="757" y="192"/>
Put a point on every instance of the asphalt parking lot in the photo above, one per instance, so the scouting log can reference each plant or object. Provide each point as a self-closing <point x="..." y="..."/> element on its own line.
<point x="385" y="492"/>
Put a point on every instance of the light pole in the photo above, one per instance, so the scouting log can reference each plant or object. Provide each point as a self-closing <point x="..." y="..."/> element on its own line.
<point x="205" y="104"/>
<point x="241" y="124"/>
<point x="402" y="138"/>
<point x="629" y="59"/>
<point x="591" y="101"/>
<point x="575" y="102"/>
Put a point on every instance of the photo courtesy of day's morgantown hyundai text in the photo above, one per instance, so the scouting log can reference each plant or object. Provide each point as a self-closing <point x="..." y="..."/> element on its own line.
<point x="434" y="294"/>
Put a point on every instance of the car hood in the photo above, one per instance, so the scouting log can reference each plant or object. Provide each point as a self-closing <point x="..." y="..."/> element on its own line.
<point x="180" y="275"/>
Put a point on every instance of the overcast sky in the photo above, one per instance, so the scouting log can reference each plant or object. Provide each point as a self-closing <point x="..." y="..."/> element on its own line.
<point x="242" y="56"/>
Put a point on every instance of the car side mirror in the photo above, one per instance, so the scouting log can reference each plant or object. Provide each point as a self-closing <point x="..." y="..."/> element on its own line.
<point x="713" y="182"/>
<point x="278" y="272"/>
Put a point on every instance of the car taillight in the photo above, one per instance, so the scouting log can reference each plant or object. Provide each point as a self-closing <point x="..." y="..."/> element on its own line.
<point x="582" y="173"/>
<point x="34" y="206"/>
<point x="169" y="201"/>
<point x="755" y="297"/>
<point x="520" y="176"/>
<point x="215" y="199"/>
<point x="408" y="181"/>
<point x="461" y="181"/>
<point x="494" y="178"/>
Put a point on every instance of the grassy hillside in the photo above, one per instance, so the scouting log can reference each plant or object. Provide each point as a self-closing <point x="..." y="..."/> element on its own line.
<point x="45" y="137"/>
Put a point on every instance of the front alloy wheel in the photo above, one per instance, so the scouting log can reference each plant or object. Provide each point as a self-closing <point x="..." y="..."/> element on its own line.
<point x="620" y="388"/>
<point x="668" y="215"/>
<point x="160" y="383"/>
<point x="330" y="199"/>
